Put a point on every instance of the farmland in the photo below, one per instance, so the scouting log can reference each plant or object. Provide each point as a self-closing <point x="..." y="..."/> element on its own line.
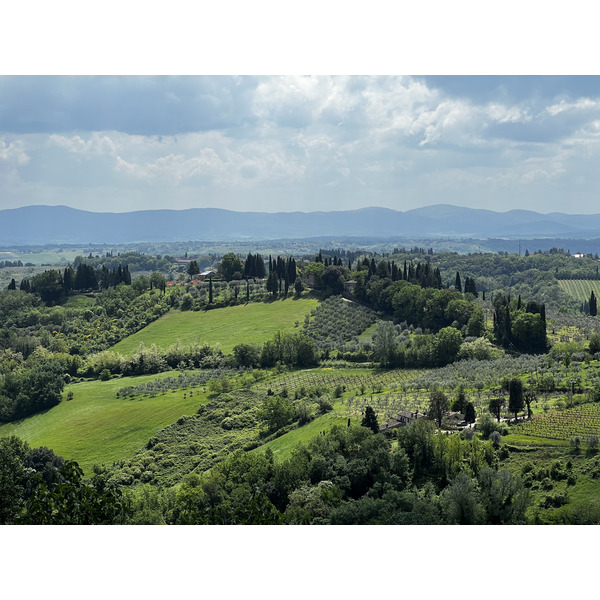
<point x="196" y="409"/>
<point x="251" y="323"/>
<point x="580" y="289"/>
<point x="97" y="427"/>
<point x="582" y="421"/>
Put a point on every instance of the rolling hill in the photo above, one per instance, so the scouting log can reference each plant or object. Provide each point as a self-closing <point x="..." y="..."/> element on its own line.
<point x="63" y="225"/>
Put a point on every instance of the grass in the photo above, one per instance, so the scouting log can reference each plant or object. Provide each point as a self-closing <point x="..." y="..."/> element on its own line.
<point x="282" y="446"/>
<point x="48" y="257"/>
<point x="529" y="440"/>
<point x="96" y="427"/>
<point x="367" y="334"/>
<point x="252" y="323"/>
<point x="79" y="302"/>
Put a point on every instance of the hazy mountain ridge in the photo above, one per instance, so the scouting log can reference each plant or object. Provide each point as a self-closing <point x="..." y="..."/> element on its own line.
<point x="62" y="224"/>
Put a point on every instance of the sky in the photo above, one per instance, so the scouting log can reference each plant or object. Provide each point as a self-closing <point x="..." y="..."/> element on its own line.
<point x="273" y="143"/>
<point x="474" y="129"/>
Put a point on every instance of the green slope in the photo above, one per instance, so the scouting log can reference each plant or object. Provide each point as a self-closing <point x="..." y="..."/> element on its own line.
<point x="252" y="323"/>
<point x="97" y="427"/>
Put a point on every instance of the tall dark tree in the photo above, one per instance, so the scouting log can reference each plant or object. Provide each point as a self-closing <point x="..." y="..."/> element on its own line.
<point x="272" y="283"/>
<point x="370" y="420"/>
<point x="457" y="283"/>
<point x="495" y="406"/>
<point x="469" y="412"/>
<point x="516" y="401"/>
<point x="438" y="407"/>
<point x="193" y="269"/>
<point x="593" y="305"/>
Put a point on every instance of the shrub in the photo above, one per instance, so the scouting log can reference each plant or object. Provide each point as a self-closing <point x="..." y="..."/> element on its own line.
<point x="495" y="438"/>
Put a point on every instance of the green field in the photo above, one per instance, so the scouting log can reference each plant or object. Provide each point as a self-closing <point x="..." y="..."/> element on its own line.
<point x="97" y="427"/>
<point x="253" y="323"/>
<point x="282" y="446"/>
<point x="580" y="289"/>
<point x="47" y="257"/>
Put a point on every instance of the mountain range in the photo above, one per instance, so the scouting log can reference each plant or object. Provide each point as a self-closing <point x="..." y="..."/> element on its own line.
<point x="37" y="225"/>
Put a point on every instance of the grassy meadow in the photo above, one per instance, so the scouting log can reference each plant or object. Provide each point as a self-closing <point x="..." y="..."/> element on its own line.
<point x="252" y="323"/>
<point x="96" y="427"/>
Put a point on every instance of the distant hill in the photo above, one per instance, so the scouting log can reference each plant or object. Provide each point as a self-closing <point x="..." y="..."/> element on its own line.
<point x="60" y="224"/>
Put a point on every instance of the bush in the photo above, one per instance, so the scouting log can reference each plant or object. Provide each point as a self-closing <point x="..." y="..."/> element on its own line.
<point x="496" y="438"/>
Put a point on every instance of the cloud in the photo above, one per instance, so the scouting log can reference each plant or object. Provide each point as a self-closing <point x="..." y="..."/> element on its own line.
<point x="13" y="153"/>
<point x="296" y="143"/>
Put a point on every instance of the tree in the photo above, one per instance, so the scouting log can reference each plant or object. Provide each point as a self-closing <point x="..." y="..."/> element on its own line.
<point x="529" y="397"/>
<point x="193" y="269"/>
<point x="594" y="343"/>
<point x="276" y="412"/>
<point x="495" y="407"/>
<point x="459" y="403"/>
<point x="385" y="342"/>
<point x="333" y="279"/>
<point x="593" y="305"/>
<point x="230" y="265"/>
<point x="449" y="340"/>
<point x="457" y="283"/>
<point x="460" y="502"/>
<point x="438" y="407"/>
<point x="370" y="420"/>
<point x="158" y="281"/>
<point x="469" y="413"/>
<point x="272" y="283"/>
<point x="12" y="477"/>
<point x="515" y="400"/>
<point x="246" y="355"/>
<point x="529" y="333"/>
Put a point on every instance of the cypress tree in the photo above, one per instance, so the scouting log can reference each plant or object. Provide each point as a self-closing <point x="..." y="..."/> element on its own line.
<point x="210" y="291"/>
<point x="457" y="283"/>
<point x="593" y="305"/>
<point x="370" y="420"/>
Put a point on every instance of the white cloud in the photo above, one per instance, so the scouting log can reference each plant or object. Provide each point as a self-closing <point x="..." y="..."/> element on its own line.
<point x="563" y="106"/>
<point x="324" y="142"/>
<point x="13" y="153"/>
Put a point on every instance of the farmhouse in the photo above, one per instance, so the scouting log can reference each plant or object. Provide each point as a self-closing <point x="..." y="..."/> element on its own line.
<point x="403" y="418"/>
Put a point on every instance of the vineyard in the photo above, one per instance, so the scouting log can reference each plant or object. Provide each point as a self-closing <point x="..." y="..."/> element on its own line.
<point x="351" y="381"/>
<point x="582" y="420"/>
<point x="580" y="289"/>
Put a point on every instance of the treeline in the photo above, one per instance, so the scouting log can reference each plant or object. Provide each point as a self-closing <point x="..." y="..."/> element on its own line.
<point x="136" y="261"/>
<point x="112" y="315"/>
<point x="349" y="476"/>
<point x="519" y="326"/>
<point x="53" y="286"/>
<point x="5" y="264"/>
<point x="291" y="350"/>
<point x="29" y="390"/>
<point x="37" y="487"/>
